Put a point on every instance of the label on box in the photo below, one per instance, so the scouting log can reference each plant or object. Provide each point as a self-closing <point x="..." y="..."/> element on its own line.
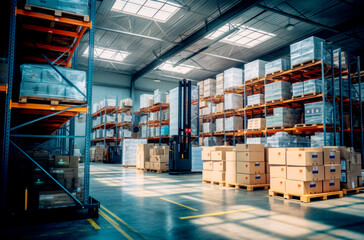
<point x="332" y="169"/>
<point x="314" y="155"/>
<point x="332" y="183"/>
<point x="332" y="155"/>
<point x="343" y="177"/>
<point x="315" y="170"/>
<point x="343" y="164"/>
<point x="312" y="184"/>
<point x="257" y="164"/>
<point x="257" y="177"/>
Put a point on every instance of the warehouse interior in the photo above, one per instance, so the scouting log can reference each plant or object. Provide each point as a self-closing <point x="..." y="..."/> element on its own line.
<point x="182" y="119"/>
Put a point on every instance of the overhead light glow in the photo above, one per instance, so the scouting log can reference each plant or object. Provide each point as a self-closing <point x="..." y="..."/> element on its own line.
<point x="108" y="54"/>
<point x="159" y="10"/>
<point x="157" y="80"/>
<point x="181" y="68"/>
<point x="246" y="36"/>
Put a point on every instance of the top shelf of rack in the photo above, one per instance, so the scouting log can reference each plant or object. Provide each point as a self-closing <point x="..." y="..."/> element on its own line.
<point x="103" y="111"/>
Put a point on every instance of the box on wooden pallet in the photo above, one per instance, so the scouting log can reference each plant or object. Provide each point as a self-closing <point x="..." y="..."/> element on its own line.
<point x="233" y="101"/>
<point x="250" y="156"/>
<point x="200" y="86"/>
<point x="331" y="155"/>
<point x="277" y="156"/>
<point x="331" y="185"/>
<point x="207" y="175"/>
<point x="207" y="165"/>
<point x="278" y="184"/>
<point x="254" y="69"/>
<point x="233" y="123"/>
<point x="209" y="87"/>
<point x="295" y="187"/>
<point x="220" y="84"/>
<point x="219" y="107"/>
<point x="251" y="179"/>
<point x="304" y="157"/>
<point x="143" y="154"/>
<point x="218" y="176"/>
<point x="332" y="171"/>
<point x="163" y="166"/>
<point x="250" y="147"/>
<point x="159" y="158"/>
<point x="250" y="167"/>
<point x="62" y="161"/>
<point x="307" y="173"/>
<point x="230" y="176"/>
<point x="256" y="123"/>
<point x="278" y="171"/>
<point x="219" y="166"/>
<point x="255" y="99"/>
<point x="233" y="77"/>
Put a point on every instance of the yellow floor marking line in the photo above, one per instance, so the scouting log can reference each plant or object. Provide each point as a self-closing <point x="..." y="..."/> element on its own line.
<point x="122" y="221"/>
<point x="115" y="225"/>
<point x="92" y="222"/>
<point x="165" y="199"/>
<point x="220" y="200"/>
<point x="217" y="213"/>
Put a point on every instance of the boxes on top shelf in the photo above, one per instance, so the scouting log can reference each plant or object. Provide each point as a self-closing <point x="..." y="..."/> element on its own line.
<point x="256" y="123"/>
<point x="220" y="124"/>
<point x="146" y="100"/>
<point x="317" y="140"/>
<point x="74" y="6"/>
<point x="159" y="96"/>
<point x="344" y="58"/>
<point x="307" y="49"/>
<point x="297" y="88"/>
<point x="209" y="86"/>
<point x="126" y="102"/>
<point x="220" y="84"/>
<point x="283" y="139"/>
<point x="233" y="77"/>
<point x="277" y="65"/>
<point x="201" y="89"/>
<point x="255" y="99"/>
<point x="233" y="123"/>
<point x="283" y="117"/>
<point x="254" y="69"/>
<point x="314" y="113"/>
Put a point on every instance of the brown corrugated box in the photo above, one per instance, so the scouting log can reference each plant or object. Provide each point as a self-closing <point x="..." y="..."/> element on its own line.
<point x="218" y="176"/>
<point x="206" y="175"/>
<point x="277" y="156"/>
<point x="249" y="147"/>
<point x="333" y="171"/>
<point x="207" y="165"/>
<point x="219" y="166"/>
<point x="303" y="187"/>
<point x="278" y="184"/>
<point x="331" y="185"/>
<point x="278" y="172"/>
<point x="250" y="167"/>
<point x="61" y="161"/>
<point x="304" y="158"/>
<point x="306" y="173"/>
<point x="159" y="158"/>
<point x="250" y="156"/>
<point x="251" y="179"/>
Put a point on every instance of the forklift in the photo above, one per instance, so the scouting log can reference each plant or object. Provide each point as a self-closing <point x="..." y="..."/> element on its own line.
<point x="180" y="154"/>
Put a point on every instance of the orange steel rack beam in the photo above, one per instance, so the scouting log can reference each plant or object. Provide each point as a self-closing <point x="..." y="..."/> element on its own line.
<point x="34" y="106"/>
<point x="52" y="18"/>
<point x="4" y="88"/>
<point x="48" y="47"/>
<point x="50" y="30"/>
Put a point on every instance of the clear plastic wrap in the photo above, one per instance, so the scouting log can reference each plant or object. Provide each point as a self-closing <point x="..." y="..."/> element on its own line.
<point x="145" y="100"/>
<point x="207" y="110"/>
<point x="355" y="91"/>
<point x="256" y="140"/>
<point x="164" y="130"/>
<point x="206" y="127"/>
<point x="255" y="99"/>
<point x="283" y="117"/>
<point x="220" y="84"/>
<point x="127" y="118"/>
<point x="254" y="69"/>
<point x="233" y="101"/>
<point x="159" y="96"/>
<point x="126" y="102"/>
<point x="151" y="131"/>
<point x="307" y="49"/>
<point x="278" y="90"/>
<point x="208" y="141"/>
<point x="144" y="131"/>
<point x="209" y="86"/>
<point x="219" y="124"/>
<point x="110" y="133"/>
<point x="43" y="81"/>
<point x="233" y="77"/>
<point x="233" y="123"/>
<point x="314" y="112"/>
<point x="124" y="133"/>
<point x="297" y="89"/>
<point x="312" y="86"/>
<point x="196" y="159"/>
<point x="277" y="65"/>
<point x="344" y="58"/>
<point x="317" y="140"/>
<point x="130" y="150"/>
<point x="73" y="6"/>
<point x="283" y="139"/>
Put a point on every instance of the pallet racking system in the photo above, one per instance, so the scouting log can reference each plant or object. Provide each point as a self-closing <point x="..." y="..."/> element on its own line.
<point x="302" y="72"/>
<point x="48" y="118"/>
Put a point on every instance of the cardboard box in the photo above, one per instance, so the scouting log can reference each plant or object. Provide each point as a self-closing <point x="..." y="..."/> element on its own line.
<point x="278" y="184"/>
<point x="277" y="156"/>
<point x="333" y="171"/>
<point x="163" y="166"/>
<point x="360" y="181"/>
<point x="218" y="176"/>
<point x="358" y="158"/>
<point x="249" y="147"/>
<point x="206" y="155"/>
<point x="159" y="158"/>
<point x="331" y="157"/>
<point x="230" y="166"/>
<point x="267" y="176"/>
<point x="74" y="161"/>
<point x="230" y="156"/>
<point x="219" y="166"/>
<point x="307" y="173"/>
<point x="267" y="167"/>
<point x="250" y="156"/>
<point x="266" y="154"/>
<point x="331" y="185"/>
<point x="61" y="161"/>
<point x="218" y="155"/>
<point x="295" y="187"/>
<point x="250" y="179"/>
<point x="207" y="165"/>
<point x="147" y="165"/>
<point x="304" y="158"/>
<point x="207" y="175"/>
<point x="278" y="172"/>
<point x="230" y="177"/>
<point x="250" y="167"/>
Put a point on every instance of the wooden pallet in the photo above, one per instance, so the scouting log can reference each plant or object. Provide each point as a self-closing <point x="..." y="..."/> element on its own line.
<point x="274" y="73"/>
<point x="275" y="128"/>
<point x="275" y="100"/>
<point x="352" y="190"/>
<point x="254" y="80"/>
<point x="157" y="171"/>
<point x="301" y="125"/>
<point x="254" y="129"/>
<point x="58" y="13"/>
<point x="304" y="63"/>
<point x="48" y="100"/>
<point x="127" y="166"/>
<point x="255" y="105"/>
<point x="306" y="198"/>
<point x="248" y="187"/>
<point x="214" y="182"/>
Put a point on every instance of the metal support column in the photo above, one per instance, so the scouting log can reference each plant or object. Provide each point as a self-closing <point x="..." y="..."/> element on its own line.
<point x="333" y="94"/>
<point x="361" y="111"/>
<point x="245" y="116"/>
<point x="211" y="120"/>
<point x="341" y="103"/>
<point x="323" y="92"/>
<point x="350" y="103"/>
<point x="7" y="114"/>
<point x="198" y="116"/>
<point x="89" y="102"/>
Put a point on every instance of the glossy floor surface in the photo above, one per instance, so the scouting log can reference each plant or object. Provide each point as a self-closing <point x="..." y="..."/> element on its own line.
<point x="139" y="205"/>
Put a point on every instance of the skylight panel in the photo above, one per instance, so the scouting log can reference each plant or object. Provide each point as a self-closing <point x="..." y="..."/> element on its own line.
<point x="159" y="10"/>
<point x="246" y="36"/>
<point x="181" y="68"/>
<point x="108" y="54"/>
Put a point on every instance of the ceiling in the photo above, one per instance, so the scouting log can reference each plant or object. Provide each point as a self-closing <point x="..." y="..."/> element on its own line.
<point x="342" y="15"/>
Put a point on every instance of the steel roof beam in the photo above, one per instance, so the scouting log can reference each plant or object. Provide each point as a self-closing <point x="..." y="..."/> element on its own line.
<point x="209" y="28"/>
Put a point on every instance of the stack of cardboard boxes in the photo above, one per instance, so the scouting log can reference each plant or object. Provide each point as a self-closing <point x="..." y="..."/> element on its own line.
<point x="302" y="171"/>
<point x="246" y="165"/>
<point x="214" y="163"/>
<point x="256" y="124"/>
<point x="100" y="153"/>
<point x="209" y="87"/>
<point x="220" y="84"/>
<point x="350" y="168"/>
<point x="143" y="156"/>
<point x="159" y="158"/>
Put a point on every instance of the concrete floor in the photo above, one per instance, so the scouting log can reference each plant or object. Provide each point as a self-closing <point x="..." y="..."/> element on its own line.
<point x="160" y="206"/>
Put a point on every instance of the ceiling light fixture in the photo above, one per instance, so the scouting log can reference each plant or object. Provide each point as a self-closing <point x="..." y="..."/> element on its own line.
<point x="181" y="68"/>
<point x="289" y="26"/>
<point x="108" y="54"/>
<point x="156" y="80"/>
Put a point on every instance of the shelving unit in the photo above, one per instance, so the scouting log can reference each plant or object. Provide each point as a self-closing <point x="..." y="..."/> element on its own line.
<point x="303" y="72"/>
<point x="30" y="122"/>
